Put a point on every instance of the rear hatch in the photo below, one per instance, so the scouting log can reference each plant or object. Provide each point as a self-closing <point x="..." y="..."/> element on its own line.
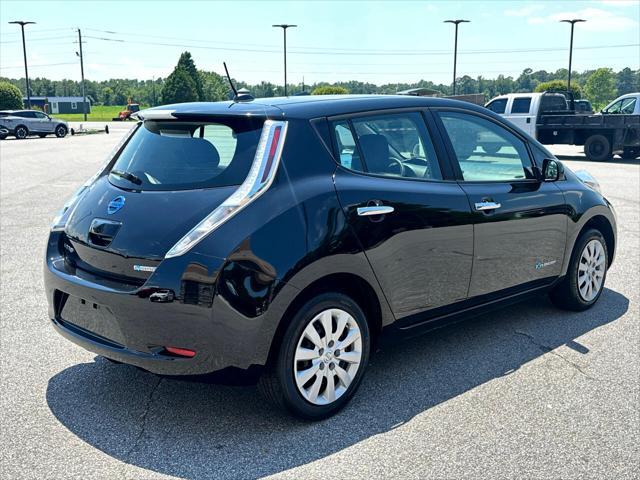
<point x="167" y="178"/>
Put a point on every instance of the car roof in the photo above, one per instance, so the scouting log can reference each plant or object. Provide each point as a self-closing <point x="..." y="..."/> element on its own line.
<point x="304" y="107"/>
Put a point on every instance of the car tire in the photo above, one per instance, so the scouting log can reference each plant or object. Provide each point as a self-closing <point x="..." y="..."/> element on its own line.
<point x="597" y="148"/>
<point x="61" y="131"/>
<point x="588" y="265"/>
<point x="631" y="153"/>
<point x="21" y="132"/>
<point x="3" y="136"/>
<point x="300" y="375"/>
<point x="491" y="148"/>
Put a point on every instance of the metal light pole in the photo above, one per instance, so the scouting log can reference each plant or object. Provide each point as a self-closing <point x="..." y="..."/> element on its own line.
<point x="455" y="50"/>
<point x="84" y="96"/>
<point x="24" y="51"/>
<point x="284" y="27"/>
<point x="572" y="22"/>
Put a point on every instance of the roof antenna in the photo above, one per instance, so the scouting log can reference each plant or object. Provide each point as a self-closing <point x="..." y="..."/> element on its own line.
<point x="243" y="96"/>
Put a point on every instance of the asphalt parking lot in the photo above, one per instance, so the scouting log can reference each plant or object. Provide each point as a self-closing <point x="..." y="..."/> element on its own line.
<point x="526" y="392"/>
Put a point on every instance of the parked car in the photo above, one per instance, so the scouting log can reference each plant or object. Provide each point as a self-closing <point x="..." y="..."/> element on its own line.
<point x="22" y="123"/>
<point x="551" y="118"/>
<point x="290" y="236"/>
<point x="583" y="106"/>
<point x="628" y="104"/>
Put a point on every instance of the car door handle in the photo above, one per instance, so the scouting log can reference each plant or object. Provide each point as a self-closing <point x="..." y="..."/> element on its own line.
<point x="482" y="206"/>
<point x="374" y="210"/>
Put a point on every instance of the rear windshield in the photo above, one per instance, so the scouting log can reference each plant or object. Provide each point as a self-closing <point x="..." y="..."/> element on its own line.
<point x="187" y="155"/>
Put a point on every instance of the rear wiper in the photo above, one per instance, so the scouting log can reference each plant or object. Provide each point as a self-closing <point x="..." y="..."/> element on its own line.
<point x="127" y="176"/>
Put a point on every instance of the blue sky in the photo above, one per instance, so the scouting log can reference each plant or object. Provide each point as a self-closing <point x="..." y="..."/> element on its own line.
<point x="379" y="42"/>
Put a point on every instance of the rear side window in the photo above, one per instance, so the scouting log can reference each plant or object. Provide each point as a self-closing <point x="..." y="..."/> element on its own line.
<point x="553" y="102"/>
<point x="498" y="106"/>
<point x="393" y="145"/>
<point x="183" y="156"/>
<point x="521" y="105"/>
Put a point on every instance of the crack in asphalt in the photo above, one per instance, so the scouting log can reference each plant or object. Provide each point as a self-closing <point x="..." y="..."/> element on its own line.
<point x="143" y="423"/>
<point x="548" y="349"/>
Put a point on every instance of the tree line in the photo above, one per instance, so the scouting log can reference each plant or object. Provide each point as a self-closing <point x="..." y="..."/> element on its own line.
<point x="187" y="83"/>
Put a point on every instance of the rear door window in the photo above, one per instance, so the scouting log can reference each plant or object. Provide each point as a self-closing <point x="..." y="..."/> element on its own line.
<point x="521" y="105"/>
<point x="182" y="156"/>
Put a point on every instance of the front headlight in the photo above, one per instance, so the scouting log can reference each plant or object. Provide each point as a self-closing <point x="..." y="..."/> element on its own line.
<point x="588" y="179"/>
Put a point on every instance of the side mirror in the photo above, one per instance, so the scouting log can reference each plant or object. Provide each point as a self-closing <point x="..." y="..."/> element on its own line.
<point x="552" y="170"/>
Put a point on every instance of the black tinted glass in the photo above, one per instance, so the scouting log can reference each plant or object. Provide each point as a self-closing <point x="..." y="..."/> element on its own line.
<point x="498" y="106"/>
<point x="521" y="105"/>
<point x="183" y="156"/>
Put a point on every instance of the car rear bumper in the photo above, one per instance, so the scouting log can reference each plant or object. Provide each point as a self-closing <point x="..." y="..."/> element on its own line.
<point x="120" y="322"/>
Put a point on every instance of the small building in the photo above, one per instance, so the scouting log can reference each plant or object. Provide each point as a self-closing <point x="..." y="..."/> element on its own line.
<point x="55" y="105"/>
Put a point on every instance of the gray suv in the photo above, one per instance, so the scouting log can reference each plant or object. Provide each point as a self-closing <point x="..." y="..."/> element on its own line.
<point x="22" y="123"/>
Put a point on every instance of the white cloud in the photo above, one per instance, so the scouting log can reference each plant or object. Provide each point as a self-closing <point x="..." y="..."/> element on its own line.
<point x="524" y="11"/>
<point x="598" y="20"/>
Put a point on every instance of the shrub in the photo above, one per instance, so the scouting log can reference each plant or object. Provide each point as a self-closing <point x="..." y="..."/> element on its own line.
<point x="10" y="97"/>
<point x="330" y="90"/>
<point x="559" y="85"/>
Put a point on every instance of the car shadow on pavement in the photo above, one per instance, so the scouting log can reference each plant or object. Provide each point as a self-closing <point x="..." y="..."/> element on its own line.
<point x="199" y="430"/>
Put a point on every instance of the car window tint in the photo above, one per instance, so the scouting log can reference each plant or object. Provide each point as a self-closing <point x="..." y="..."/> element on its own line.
<point x="39" y="115"/>
<point x="615" y="108"/>
<point x="25" y="114"/>
<point x="167" y="155"/>
<point x="396" y="145"/>
<point x="628" y="105"/>
<point x="346" y="146"/>
<point x="521" y="105"/>
<point x="485" y="150"/>
<point x="498" y="106"/>
<point x="224" y="140"/>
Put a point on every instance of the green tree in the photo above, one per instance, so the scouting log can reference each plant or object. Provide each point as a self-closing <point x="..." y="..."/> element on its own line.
<point x="179" y="87"/>
<point x="107" y="96"/>
<point x="600" y="88"/>
<point x="214" y="87"/>
<point x="186" y="62"/>
<point x="329" y="90"/>
<point x="10" y="97"/>
<point x="627" y="81"/>
<point x="559" y="85"/>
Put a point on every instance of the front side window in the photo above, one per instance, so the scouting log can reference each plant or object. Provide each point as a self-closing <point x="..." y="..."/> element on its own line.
<point x="628" y="106"/>
<point x="485" y="150"/>
<point x="615" y="108"/>
<point x="170" y="155"/>
<point x="498" y="106"/>
<point x="396" y="145"/>
<point x="40" y="115"/>
<point x="521" y="105"/>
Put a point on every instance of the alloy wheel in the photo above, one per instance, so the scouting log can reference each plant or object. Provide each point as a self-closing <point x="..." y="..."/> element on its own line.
<point x="328" y="356"/>
<point x="591" y="270"/>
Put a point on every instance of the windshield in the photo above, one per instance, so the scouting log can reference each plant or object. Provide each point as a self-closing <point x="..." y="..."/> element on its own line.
<point x="169" y="155"/>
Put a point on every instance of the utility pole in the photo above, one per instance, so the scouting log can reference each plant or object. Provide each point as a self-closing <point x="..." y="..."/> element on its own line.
<point x="573" y="23"/>
<point x="22" y="23"/>
<point x="455" y="49"/>
<point x="84" y="96"/>
<point x="153" y="86"/>
<point x="284" y="27"/>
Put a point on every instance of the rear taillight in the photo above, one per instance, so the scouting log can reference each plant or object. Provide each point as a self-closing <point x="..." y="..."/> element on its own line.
<point x="180" y="352"/>
<point x="261" y="175"/>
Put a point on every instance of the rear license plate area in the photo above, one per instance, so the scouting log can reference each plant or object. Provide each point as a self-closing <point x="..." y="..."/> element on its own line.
<point x="95" y="319"/>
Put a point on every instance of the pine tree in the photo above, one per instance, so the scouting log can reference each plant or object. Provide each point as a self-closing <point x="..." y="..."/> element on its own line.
<point x="186" y="62"/>
<point x="179" y="87"/>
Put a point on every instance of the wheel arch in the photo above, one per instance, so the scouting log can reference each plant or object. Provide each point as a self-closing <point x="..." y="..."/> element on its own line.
<point x="350" y="284"/>
<point x="602" y="224"/>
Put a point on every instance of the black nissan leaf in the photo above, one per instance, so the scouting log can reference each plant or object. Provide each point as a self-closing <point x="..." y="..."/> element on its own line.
<point x="291" y="236"/>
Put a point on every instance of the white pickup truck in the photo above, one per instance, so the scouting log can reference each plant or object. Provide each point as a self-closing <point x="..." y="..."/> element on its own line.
<point x="550" y="117"/>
